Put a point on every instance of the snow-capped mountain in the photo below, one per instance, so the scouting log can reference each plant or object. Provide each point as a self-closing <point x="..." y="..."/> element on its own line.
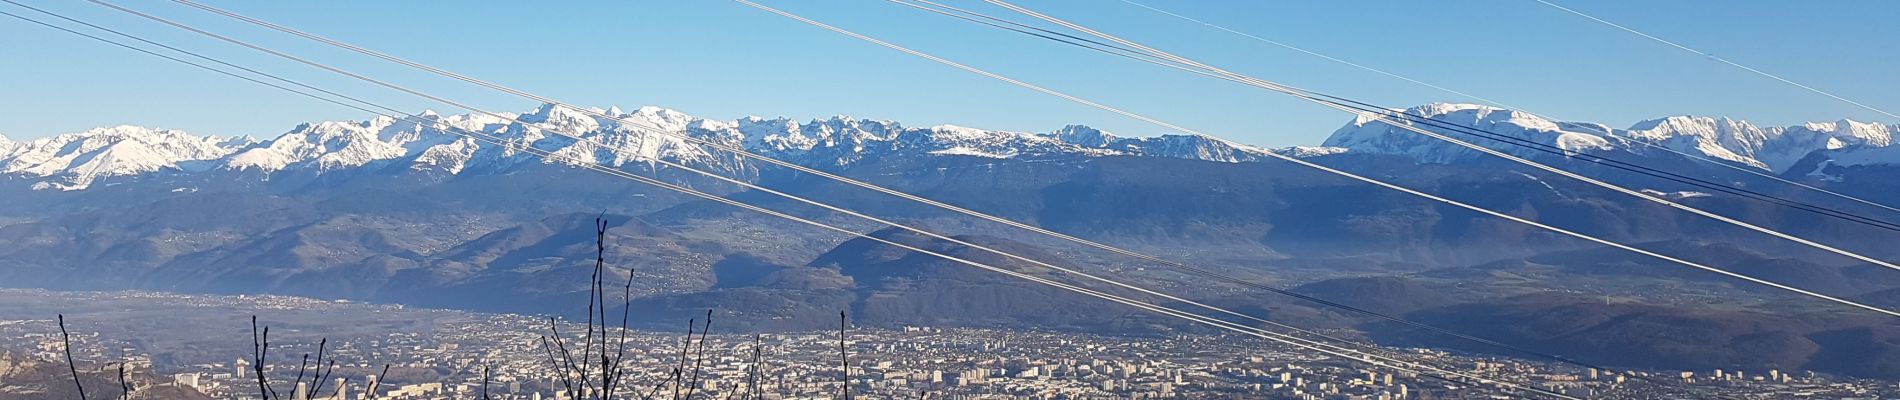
<point x="1369" y="134"/>
<point x="1172" y="146"/>
<point x="335" y="145"/>
<point x="626" y="139"/>
<point x="620" y="139"/>
<point x="75" y="160"/>
<point x="400" y="211"/>
<point x="1774" y="149"/>
<point x="843" y="141"/>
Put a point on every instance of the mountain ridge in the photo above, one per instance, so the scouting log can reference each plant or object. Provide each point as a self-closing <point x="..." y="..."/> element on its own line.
<point x="330" y="146"/>
<point x="1769" y="149"/>
<point x="74" y="161"/>
<point x="381" y="210"/>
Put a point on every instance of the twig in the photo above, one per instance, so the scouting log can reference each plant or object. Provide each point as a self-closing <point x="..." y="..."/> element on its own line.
<point x="378" y="382"/>
<point x="339" y="386"/>
<point x="557" y="364"/>
<point x="758" y="363"/>
<point x="125" y="389"/>
<point x="626" y="312"/>
<point x="485" y="382"/>
<point x="260" y="347"/>
<point x="681" y="368"/>
<point x="844" y="359"/>
<point x="301" y="366"/>
<point x="752" y="373"/>
<point x="67" y="340"/>
<point x="573" y="393"/>
<point x="596" y="310"/>
<point x="599" y="301"/>
<point x="587" y="339"/>
<point x="316" y="380"/>
<point x="657" y="386"/>
<point x="699" y="360"/>
<point x="326" y="377"/>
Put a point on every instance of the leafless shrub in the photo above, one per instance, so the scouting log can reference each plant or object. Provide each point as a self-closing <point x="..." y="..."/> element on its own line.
<point x="319" y="371"/>
<point x="599" y="367"/>
<point x="596" y="363"/>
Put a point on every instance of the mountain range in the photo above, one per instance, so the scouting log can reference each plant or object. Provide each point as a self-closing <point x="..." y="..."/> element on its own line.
<point x="394" y="211"/>
<point x="1775" y="150"/>
<point x="75" y="161"/>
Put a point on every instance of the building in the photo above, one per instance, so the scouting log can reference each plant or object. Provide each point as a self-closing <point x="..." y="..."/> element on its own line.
<point x="189" y="379"/>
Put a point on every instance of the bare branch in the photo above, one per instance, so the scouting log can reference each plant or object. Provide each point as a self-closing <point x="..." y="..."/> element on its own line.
<point x="699" y="361"/>
<point x="373" y="385"/>
<point x="545" y="347"/>
<point x="685" y="344"/>
<point x="125" y="389"/>
<point x="67" y="340"/>
<point x="566" y="356"/>
<point x="844" y="359"/>
<point x="757" y="340"/>
<point x="260" y="348"/>
<point x="316" y="380"/>
<point x="301" y="366"/>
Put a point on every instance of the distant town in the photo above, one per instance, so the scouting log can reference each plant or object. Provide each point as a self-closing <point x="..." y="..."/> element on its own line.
<point x="448" y="362"/>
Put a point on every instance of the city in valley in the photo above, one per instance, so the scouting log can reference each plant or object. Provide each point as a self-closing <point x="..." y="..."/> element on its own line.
<point x="202" y="343"/>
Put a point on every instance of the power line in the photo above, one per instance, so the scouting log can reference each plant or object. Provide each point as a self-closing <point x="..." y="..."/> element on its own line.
<point x="1387" y="115"/>
<point x="280" y="88"/>
<point x="745" y="153"/>
<point x="781" y="194"/>
<point x="1228" y="278"/>
<point x="1361" y="107"/>
<point x="1317" y="54"/>
<point x="1507" y="106"/>
<point x="741" y="151"/>
<point x="1721" y="59"/>
<point x="1767" y="175"/>
<point x="1309" y="164"/>
<point x="424" y="67"/>
<point x="1283" y="89"/>
<point x="760" y="188"/>
<point x="736" y="182"/>
<point x="1273" y="336"/>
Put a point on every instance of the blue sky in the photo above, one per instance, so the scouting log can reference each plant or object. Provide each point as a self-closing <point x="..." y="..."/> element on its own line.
<point x="723" y="60"/>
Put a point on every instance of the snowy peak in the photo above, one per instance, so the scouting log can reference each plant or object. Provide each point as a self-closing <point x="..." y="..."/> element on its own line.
<point x="637" y="138"/>
<point x="1769" y="148"/>
<point x="7" y="147"/>
<point x="1717" y="138"/>
<point x="1084" y="136"/>
<point x="1369" y="133"/>
<point x="837" y="135"/>
<point x="73" y="161"/>
<point x="1848" y="133"/>
<point x="646" y="136"/>
<point x="1194" y="147"/>
<point x="329" y="145"/>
